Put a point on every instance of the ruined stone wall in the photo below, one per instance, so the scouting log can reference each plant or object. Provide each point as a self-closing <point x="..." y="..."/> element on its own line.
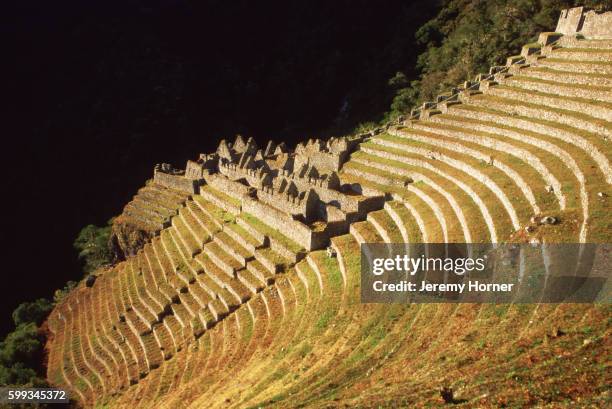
<point x="287" y="204"/>
<point x="255" y="177"/>
<point x="346" y="203"/>
<point x="323" y="161"/>
<point x="194" y="170"/>
<point x="178" y="182"/>
<point x="597" y="26"/>
<point x="285" y="224"/>
<point x="337" y="228"/>
<point x="588" y="23"/>
<point x="370" y="204"/>
<point x="230" y="187"/>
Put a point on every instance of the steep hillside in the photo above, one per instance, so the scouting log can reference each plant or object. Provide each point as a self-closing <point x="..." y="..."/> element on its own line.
<point x="229" y="298"/>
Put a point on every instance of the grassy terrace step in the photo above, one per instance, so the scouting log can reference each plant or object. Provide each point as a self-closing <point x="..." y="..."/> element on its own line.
<point x="134" y="347"/>
<point x="168" y="253"/>
<point x="182" y="315"/>
<point x="166" y="204"/>
<point x="570" y="77"/>
<point x="189" y="302"/>
<point x="605" y="44"/>
<point x="105" y="361"/>
<point x="595" y="67"/>
<point x="202" y="296"/>
<point x="556" y="160"/>
<point x="250" y="281"/>
<point x="259" y="230"/>
<point x="271" y="260"/>
<point x="492" y="165"/>
<point x="517" y="160"/>
<point x="260" y="271"/>
<point x="158" y="302"/>
<point x="119" y="341"/>
<point x="216" y="283"/>
<point x="86" y="355"/>
<point x="184" y="239"/>
<point x="312" y="282"/>
<point x="186" y="268"/>
<point x="164" y="338"/>
<point x="233" y="247"/>
<point x="364" y="232"/>
<point x="583" y="54"/>
<point x="177" y="196"/>
<point x="216" y="215"/>
<point x="146" y="284"/>
<point x="103" y="322"/>
<point x="141" y="218"/>
<point x="243" y="237"/>
<point x="152" y="311"/>
<point x="221" y="199"/>
<point x="218" y="309"/>
<point x="158" y="201"/>
<point x="199" y="233"/>
<point x="153" y="353"/>
<point x="469" y="176"/>
<point x="75" y="370"/>
<point x="155" y="268"/>
<point x="405" y="221"/>
<point x="429" y="226"/>
<point x="385" y="226"/>
<point x="421" y="200"/>
<point x="590" y="107"/>
<point x="140" y="208"/>
<point x="239" y="289"/>
<point x="139" y="317"/>
<point x="222" y="278"/>
<point x="323" y="336"/>
<point x="528" y="121"/>
<point x="573" y="169"/>
<point x="593" y="92"/>
<point x="221" y="259"/>
<point x="207" y="222"/>
<point x="175" y="330"/>
<point x="213" y="279"/>
<point x="466" y="202"/>
<point x="578" y="149"/>
<point x="559" y="117"/>
<point x="151" y="204"/>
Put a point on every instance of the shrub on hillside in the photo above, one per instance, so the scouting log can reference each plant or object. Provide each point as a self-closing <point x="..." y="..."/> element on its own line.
<point x="32" y="312"/>
<point x="21" y="354"/>
<point x="92" y="245"/>
<point x="469" y="36"/>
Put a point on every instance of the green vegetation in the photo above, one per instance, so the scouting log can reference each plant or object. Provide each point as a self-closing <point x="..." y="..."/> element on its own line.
<point x="92" y="245"/>
<point x="32" y="312"/>
<point x="59" y="294"/>
<point x="21" y="351"/>
<point x="469" y="36"/>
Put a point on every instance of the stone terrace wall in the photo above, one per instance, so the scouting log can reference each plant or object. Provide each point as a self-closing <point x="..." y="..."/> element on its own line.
<point x="294" y="229"/>
<point x="590" y="23"/>
<point x="227" y="186"/>
<point x="178" y="182"/>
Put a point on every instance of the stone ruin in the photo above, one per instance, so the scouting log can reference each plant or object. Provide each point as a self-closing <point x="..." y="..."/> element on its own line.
<point x="165" y="174"/>
<point x="298" y="193"/>
<point x="588" y="23"/>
